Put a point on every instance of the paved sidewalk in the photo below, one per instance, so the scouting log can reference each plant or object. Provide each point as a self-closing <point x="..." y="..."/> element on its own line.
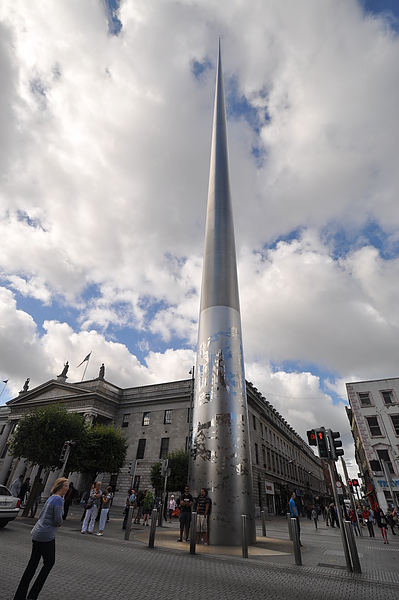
<point x="118" y="568"/>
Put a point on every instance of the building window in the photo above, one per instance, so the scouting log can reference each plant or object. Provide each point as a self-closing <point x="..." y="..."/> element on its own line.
<point x="374" y="426"/>
<point x="254" y="421"/>
<point x="164" y="448"/>
<point x="365" y="399"/>
<point x="388" y="397"/>
<point x="256" y="454"/>
<point x="395" y="423"/>
<point x="125" y="422"/>
<point x="5" y="450"/>
<point x="188" y="415"/>
<point x="384" y="457"/>
<point x="141" y="449"/>
<point x="264" y="455"/>
<point x="168" y="417"/>
<point x="146" y="418"/>
<point x="261" y="429"/>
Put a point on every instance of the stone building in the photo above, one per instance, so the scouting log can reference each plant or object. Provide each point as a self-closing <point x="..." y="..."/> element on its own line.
<point x="374" y="420"/>
<point x="156" y="419"/>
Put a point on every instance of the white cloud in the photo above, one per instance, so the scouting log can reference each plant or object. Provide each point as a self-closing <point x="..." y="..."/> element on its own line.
<point x="104" y="172"/>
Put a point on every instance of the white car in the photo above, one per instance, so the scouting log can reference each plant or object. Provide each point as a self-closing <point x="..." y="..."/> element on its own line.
<point x="9" y="506"/>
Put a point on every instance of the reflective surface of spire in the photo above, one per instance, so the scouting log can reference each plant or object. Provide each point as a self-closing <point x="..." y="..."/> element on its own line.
<point x="220" y="454"/>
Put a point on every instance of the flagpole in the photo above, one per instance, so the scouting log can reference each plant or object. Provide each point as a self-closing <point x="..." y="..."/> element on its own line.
<point x="4" y="387"/>
<point x="87" y="364"/>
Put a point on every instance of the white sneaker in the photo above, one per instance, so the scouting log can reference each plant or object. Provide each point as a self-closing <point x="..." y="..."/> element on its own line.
<point x="99" y="533"/>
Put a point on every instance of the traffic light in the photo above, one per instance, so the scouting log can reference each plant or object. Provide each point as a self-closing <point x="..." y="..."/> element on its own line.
<point x="63" y="451"/>
<point x="312" y="437"/>
<point x="350" y="485"/>
<point x="335" y="444"/>
<point x="355" y="483"/>
<point x="322" y="443"/>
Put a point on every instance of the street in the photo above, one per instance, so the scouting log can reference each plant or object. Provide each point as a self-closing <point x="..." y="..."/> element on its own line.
<point x="113" y="568"/>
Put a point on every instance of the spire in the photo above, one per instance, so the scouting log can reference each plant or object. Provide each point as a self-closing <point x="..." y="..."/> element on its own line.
<point x="219" y="275"/>
<point x="220" y="455"/>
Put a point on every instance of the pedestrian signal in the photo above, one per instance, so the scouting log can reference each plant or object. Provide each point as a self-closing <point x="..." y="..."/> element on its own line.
<point x="312" y="437"/>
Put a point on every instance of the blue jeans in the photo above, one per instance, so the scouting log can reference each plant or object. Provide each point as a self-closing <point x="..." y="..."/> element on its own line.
<point x="45" y="550"/>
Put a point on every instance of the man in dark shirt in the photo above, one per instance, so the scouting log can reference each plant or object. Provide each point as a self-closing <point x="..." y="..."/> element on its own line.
<point x="203" y="507"/>
<point x="186" y="502"/>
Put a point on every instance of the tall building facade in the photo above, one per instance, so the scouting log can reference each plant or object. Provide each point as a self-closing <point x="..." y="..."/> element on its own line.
<point x="156" y="419"/>
<point x="374" y="420"/>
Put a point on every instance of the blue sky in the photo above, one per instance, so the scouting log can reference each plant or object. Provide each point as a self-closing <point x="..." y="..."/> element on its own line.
<point x="106" y="116"/>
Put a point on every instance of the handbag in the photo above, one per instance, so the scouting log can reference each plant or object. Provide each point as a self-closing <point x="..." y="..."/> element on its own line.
<point x="89" y="503"/>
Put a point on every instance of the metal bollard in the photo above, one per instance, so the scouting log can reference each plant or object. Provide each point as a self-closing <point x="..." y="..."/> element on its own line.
<point x="193" y="532"/>
<point x="295" y="539"/>
<point x="129" y="522"/>
<point x="153" y="528"/>
<point x="262" y="514"/>
<point x="350" y="536"/>
<point x="244" y="536"/>
<point x="289" y="525"/>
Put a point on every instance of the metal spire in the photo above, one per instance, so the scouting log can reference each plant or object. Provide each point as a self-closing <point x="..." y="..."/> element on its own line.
<point x="220" y="458"/>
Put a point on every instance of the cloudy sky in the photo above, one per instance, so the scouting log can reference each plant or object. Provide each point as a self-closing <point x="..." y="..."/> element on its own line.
<point x="105" y="119"/>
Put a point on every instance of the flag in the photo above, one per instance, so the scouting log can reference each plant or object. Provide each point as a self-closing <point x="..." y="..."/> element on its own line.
<point x="85" y="359"/>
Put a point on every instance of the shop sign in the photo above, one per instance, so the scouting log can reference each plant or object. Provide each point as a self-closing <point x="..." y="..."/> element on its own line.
<point x="269" y="487"/>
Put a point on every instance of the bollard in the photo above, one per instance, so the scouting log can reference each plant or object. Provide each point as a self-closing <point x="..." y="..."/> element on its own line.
<point x="244" y="536"/>
<point x="263" y="523"/>
<point x="289" y="525"/>
<point x="350" y="536"/>
<point x="153" y="528"/>
<point x="129" y="522"/>
<point x="295" y="539"/>
<point x="193" y="532"/>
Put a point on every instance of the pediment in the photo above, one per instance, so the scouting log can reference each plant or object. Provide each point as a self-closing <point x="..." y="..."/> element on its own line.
<point x="51" y="390"/>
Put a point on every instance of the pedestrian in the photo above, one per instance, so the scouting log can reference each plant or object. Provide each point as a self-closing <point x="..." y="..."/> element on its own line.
<point x="148" y="506"/>
<point x="43" y="542"/>
<point x="71" y="494"/>
<point x="92" y="504"/>
<point x="332" y="514"/>
<point x="38" y="497"/>
<point x="203" y="508"/>
<point x="186" y="502"/>
<point x="126" y="509"/>
<point x="16" y="486"/>
<point x="107" y="496"/>
<point x="327" y="512"/>
<point x="382" y="523"/>
<point x="172" y="506"/>
<point x="390" y="521"/>
<point x="295" y="513"/>
<point x="83" y="501"/>
<point x="24" y="491"/>
<point x="353" y="520"/>
<point x="139" y="502"/>
<point x="368" y="518"/>
<point x="314" y="516"/>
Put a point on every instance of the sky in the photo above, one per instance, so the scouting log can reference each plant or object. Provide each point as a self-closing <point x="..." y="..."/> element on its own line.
<point x="106" y="117"/>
